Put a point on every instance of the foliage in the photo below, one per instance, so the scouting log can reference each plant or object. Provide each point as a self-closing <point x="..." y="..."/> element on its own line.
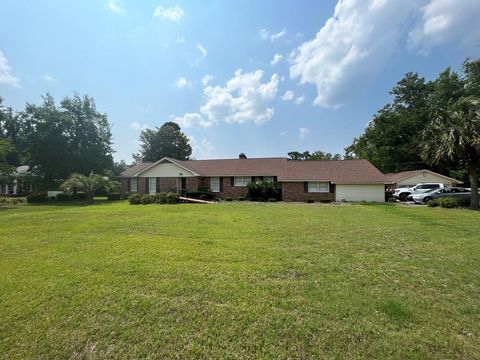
<point x="63" y="197"/>
<point x="455" y="136"/>
<point x="172" y="198"/>
<point x="79" y="196"/>
<point x="36" y="198"/>
<point x="201" y="194"/>
<point x="161" y="198"/>
<point x="446" y="202"/>
<point x="89" y="184"/>
<point x="228" y="199"/>
<point x="135" y="199"/>
<point x="114" y="196"/>
<point x="316" y="155"/>
<point x="11" y="200"/>
<point x="263" y="190"/>
<point x="165" y="141"/>
<point x="148" y="199"/>
<point x="6" y="169"/>
<point x="60" y="140"/>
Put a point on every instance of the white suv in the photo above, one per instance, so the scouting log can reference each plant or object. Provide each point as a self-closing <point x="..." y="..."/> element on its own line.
<point x="406" y="193"/>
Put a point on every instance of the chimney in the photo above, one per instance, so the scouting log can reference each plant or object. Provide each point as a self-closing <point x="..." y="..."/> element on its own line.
<point x="242" y="156"/>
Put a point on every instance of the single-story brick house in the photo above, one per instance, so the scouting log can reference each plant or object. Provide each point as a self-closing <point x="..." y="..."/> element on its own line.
<point x="337" y="180"/>
<point x="414" y="177"/>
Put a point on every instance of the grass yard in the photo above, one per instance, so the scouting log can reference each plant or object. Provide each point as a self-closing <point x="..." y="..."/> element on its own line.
<point x="239" y="280"/>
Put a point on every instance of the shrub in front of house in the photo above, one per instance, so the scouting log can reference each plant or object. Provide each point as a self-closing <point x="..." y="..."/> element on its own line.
<point x="392" y="200"/>
<point x="241" y="198"/>
<point x="262" y="191"/>
<point x="36" y="198"/>
<point x="148" y="199"/>
<point x="161" y="198"/>
<point x="309" y="201"/>
<point x="173" y="198"/>
<point x="228" y="199"/>
<point x="200" y="194"/>
<point x="447" y="203"/>
<point x="63" y="197"/>
<point x="114" y="196"/>
<point x="135" y="199"/>
<point x="388" y="196"/>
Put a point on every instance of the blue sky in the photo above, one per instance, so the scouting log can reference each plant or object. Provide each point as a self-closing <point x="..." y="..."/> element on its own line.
<point x="259" y="77"/>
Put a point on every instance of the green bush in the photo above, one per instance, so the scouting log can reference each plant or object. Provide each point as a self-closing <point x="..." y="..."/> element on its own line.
<point x="114" y="196"/>
<point x="388" y="196"/>
<point x="161" y="198"/>
<point x="135" y="199"/>
<point x="79" y="196"/>
<point x="228" y="199"/>
<point x="325" y="200"/>
<point x="272" y="200"/>
<point x="12" y="200"/>
<point x="391" y="199"/>
<point x="200" y="194"/>
<point x="36" y="198"/>
<point x="241" y="198"/>
<point x="309" y="201"/>
<point x="172" y="198"/>
<point x="263" y="190"/>
<point x="63" y="197"/>
<point x="446" y="202"/>
<point x="148" y="199"/>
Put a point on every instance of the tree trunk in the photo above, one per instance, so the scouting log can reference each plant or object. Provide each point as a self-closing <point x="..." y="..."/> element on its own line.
<point x="472" y="173"/>
<point x="90" y="197"/>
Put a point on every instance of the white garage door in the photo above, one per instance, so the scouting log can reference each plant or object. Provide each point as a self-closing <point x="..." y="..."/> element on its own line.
<point x="374" y="192"/>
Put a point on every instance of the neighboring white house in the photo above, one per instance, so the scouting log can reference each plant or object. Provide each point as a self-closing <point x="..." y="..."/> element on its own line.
<point x="19" y="183"/>
<point x="414" y="177"/>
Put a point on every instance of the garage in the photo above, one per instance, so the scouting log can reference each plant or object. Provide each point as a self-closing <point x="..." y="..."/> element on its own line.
<point x="360" y="192"/>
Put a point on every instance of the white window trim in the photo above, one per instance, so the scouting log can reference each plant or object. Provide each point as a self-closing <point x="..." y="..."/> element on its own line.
<point x="241" y="181"/>
<point x="215" y="185"/>
<point x="317" y="183"/>
<point x="133" y="185"/>
<point x="152" y="181"/>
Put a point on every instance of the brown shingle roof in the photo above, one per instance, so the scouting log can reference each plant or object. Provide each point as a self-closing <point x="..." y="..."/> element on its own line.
<point x="336" y="171"/>
<point x="132" y="170"/>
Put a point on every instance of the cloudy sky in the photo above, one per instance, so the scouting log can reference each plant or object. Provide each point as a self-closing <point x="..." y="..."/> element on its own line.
<point x="259" y="77"/>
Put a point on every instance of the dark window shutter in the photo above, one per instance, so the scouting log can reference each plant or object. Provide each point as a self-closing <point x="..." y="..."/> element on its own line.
<point x="157" y="184"/>
<point x="305" y="186"/>
<point x="232" y="181"/>
<point x="147" y="186"/>
<point x="129" y="184"/>
<point x="221" y="184"/>
<point x="275" y="179"/>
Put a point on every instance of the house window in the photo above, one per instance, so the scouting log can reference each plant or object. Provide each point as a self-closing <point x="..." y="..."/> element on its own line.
<point x="242" y="180"/>
<point x="215" y="184"/>
<point x="318" y="187"/>
<point x="268" y="179"/>
<point x="152" y="185"/>
<point x="133" y="184"/>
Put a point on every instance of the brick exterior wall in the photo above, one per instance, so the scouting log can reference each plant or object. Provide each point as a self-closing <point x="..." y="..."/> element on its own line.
<point x="295" y="191"/>
<point x="291" y="191"/>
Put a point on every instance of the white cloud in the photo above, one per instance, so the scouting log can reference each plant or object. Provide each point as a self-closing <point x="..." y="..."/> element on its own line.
<point x="289" y="95"/>
<point x="243" y="99"/>
<point x="181" y="82"/>
<point x="6" y="76"/>
<point x="299" y="100"/>
<point x="276" y="59"/>
<point x="189" y="120"/>
<point x="48" y="78"/>
<point x="137" y="126"/>
<point x="202" y="50"/>
<point x="264" y="34"/>
<point x="175" y="13"/>
<point x="302" y="132"/>
<point x="443" y="21"/>
<point x="351" y="48"/>
<point x="206" y="79"/>
<point x="201" y="149"/>
<point x="114" y="6"/>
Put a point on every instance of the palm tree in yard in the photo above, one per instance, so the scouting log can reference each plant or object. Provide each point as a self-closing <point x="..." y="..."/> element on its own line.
<point x="456" y="137"/>
<point x="89" y="184"/>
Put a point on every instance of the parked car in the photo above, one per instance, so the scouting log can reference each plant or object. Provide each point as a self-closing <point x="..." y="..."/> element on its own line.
<point x="454" y="192"/>
<point x="404" y="194"/>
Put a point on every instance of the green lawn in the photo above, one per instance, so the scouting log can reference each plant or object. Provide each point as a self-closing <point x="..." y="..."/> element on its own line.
<point x="239" y="280"/>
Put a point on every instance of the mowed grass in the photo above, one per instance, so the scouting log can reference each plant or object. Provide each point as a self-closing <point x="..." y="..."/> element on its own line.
<point x="239" y="280"/>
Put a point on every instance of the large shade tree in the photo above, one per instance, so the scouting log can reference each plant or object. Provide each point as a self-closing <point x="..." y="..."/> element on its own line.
<point x="455" y="136"/>
<point x="167" y="140"/>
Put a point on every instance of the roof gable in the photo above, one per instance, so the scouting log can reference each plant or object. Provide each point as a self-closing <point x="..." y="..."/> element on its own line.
<point x="395" y="177"/>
